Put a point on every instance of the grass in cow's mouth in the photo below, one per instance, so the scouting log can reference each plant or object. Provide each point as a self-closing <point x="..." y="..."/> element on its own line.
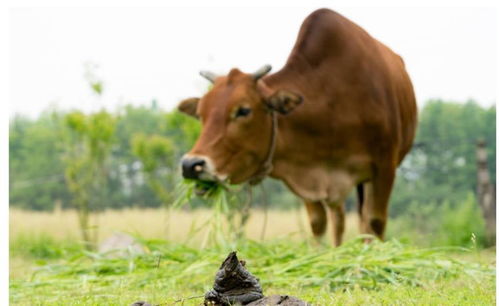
<point x="188" y="188"/>
<point x="202" y="188"/>
<point x="226" y="202"/>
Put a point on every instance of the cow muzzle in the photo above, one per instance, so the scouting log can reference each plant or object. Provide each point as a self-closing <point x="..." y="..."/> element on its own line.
<point x="199" y="168"/>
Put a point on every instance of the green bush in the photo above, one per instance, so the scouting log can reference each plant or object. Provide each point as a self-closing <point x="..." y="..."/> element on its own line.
<point x="462" y="225"/>
<point x="437" y="225"/>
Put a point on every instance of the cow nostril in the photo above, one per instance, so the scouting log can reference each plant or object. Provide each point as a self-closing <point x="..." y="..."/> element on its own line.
<point x="192" y="167"/>
<point x="198" y="165"/>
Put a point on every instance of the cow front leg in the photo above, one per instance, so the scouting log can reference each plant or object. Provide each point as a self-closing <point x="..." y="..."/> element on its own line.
<point x="317" y="217"/>
<point x="337" y="213"/>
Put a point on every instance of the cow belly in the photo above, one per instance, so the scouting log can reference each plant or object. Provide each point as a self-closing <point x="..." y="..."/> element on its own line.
<point x="318" y="184"/>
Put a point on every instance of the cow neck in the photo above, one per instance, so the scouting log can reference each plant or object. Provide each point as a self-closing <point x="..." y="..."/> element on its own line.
<point x="267" y="166"/>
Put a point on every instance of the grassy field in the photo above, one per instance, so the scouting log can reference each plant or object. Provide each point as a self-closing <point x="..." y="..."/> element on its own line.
<point x="49" y="267"/>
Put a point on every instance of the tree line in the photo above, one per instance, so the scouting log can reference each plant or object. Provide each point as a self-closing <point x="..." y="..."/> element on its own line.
<point x="129" y="158"/>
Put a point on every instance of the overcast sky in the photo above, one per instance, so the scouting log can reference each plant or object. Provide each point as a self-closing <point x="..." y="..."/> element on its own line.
<point x="156" y="53"/>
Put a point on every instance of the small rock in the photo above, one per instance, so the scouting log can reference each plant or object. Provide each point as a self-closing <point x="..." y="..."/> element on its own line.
<point x="120" y="245"/>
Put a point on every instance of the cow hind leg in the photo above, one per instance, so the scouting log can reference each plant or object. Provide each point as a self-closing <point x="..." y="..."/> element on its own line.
<point x="374" y="212"/>
<point x="360" y="204"/>
<point x="317" y="217"/>
<point x="337" y="213"/>
<point x="365" y="209"/>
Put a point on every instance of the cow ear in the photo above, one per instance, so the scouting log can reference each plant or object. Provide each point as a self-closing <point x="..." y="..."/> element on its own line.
<point x="284" y="101"/>
<point x="189" y="107"/>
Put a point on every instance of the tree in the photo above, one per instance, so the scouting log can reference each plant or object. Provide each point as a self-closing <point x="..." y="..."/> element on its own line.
<point x="88" y="144"/>
<point x="442" y="164"/>
<point x="158" y="164"/>
<point x="35" y="169"/>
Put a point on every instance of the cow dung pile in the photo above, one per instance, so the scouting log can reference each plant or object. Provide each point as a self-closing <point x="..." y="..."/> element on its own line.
<point x="234" y="285"/>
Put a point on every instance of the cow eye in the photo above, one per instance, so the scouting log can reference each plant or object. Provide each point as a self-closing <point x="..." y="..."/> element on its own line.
<point x="243" y="112"/>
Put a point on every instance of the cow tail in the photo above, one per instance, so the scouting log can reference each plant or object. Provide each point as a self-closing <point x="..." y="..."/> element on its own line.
<point x="360" y="197"/>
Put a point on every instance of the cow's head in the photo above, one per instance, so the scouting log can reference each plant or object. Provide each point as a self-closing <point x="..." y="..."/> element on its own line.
<point x="236" y="126"/>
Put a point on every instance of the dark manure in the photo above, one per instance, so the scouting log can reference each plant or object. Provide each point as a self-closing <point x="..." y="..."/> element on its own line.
<point x="234" y="285"/>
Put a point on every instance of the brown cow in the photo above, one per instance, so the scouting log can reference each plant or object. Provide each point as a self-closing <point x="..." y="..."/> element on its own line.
<point x="340" y="114"/>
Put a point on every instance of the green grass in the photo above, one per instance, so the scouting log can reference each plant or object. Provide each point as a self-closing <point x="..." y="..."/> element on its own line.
<point x="386" y="273"/>
<point x="42" y="247"/>
<point x="47" y="271"/>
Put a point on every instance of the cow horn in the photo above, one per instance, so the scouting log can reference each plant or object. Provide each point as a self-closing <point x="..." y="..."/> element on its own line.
<point x="261" y="72"/>
<point x="210" y="76"/>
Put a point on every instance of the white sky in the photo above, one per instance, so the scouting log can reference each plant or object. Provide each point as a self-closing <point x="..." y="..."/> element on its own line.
<point x="156" y="53"/>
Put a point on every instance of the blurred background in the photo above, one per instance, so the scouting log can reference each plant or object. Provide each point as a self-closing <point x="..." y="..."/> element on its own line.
<point x="95" y="140"/>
